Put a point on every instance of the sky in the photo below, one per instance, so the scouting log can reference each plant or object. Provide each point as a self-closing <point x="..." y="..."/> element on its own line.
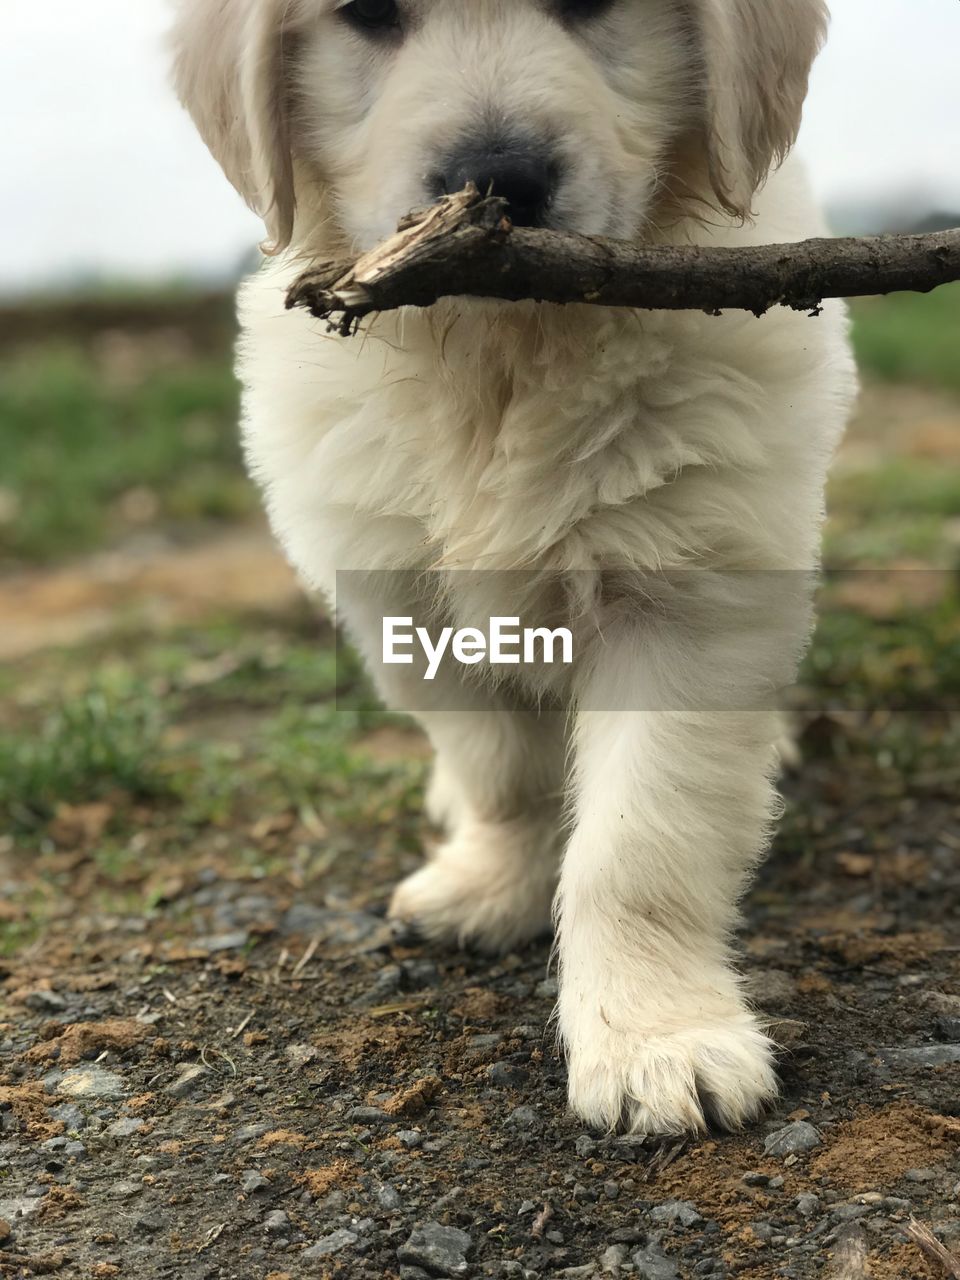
<point x="102" y="176"/>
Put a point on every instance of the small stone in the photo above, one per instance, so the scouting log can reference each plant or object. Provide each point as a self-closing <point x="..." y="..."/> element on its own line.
<point x="849" y="1212"/>
<point x="356" y="931"/>
<point x="808" y="1205"/>
<point x="91" y="1082"/>
<point x="224" y="941"/>
<point x="188" y="1081"/>
<point x="149" y="1223"/>
<point x="247" y="1132"/>
<point x="21" y="1207"/>
<point x="504" y="1075"/>
<point x="479" y="1047"/>
<point x="276" y="1222"/>
<point x="45" y="1002"/>
<point x="333" y="1243"/>
<point x="585" y="1146"/>
<point x="931" y="1055"/>
<point x="252" y="1182"/>
<point x="440" y="1250"/>
<point x="410" y="1138"/>
<point x="614" y="1257"/>
<point x="773" y="987"/>
<point x="611" y="1190"/>
<point x="419" y="974"/>
<point x="125" y="1128"/>
<point x="755" y="1179"/>
<point x="549" y="988"/>
<point x="676" y="1211"/>
<point x="301" y="1055"/>
<point x="793" y="1139"/>
<point x="126" y="1190"/>
<point x="389" y="981"/>
<point x="921" y="1175"/>
<point x="366" y="1115"/>
<point x="948" y="1028"/>
<point x="940" y="1003"/>
<point x="651" y="1263"/>
<point x="70" y="1116"/>
<point x="523" y="1118"/>
<point x="389" y="1198"/>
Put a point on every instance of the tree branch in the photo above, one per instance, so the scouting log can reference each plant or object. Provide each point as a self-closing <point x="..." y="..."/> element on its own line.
<point x="465" y="245"/>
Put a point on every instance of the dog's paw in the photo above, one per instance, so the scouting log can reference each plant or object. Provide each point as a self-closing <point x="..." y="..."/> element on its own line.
<point x="630" y="1079"/>
<point x="490" y="887"/>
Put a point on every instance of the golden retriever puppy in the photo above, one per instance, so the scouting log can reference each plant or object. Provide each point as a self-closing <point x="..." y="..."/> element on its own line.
<point x="654" y="478"/>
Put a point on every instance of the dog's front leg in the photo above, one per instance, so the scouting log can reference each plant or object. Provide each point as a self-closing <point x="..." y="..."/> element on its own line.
<point x="672" y="810"/>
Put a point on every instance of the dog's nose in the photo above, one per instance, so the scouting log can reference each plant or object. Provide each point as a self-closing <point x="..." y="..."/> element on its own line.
<point x="524" y="178"/>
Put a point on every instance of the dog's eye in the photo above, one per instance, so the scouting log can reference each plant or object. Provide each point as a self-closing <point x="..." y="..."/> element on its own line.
<point x="372" y="14"/>
<point x="583" y="10"/>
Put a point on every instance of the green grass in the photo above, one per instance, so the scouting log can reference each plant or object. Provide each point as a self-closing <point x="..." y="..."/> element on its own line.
<point x="911" y="337"/>
<point x="77" y="435"/>
<point x="909" y="660"/>
<point x="213" y="726"/>
<point x="87" y="749"/>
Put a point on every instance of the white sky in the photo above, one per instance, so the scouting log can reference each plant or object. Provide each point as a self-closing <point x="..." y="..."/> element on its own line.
<point x="101" y="174"/>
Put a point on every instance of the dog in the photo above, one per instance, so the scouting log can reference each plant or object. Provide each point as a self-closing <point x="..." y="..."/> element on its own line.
<point x="658" y="475"/>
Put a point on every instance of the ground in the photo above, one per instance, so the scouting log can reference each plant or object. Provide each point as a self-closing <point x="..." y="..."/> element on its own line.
<point x="216" y="1058"/>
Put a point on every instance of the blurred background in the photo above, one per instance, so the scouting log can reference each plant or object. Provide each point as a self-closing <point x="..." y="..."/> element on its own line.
<point x="163" y="683"/>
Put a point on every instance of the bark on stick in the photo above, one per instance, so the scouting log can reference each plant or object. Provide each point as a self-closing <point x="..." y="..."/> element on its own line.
<point x="466" y="246"/>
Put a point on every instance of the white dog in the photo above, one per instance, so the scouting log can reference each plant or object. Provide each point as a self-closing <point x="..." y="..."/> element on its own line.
<point x="631" y="794"/>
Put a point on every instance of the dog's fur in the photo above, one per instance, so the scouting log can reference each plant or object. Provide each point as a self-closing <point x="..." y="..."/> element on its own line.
<point x="606" y="445"/>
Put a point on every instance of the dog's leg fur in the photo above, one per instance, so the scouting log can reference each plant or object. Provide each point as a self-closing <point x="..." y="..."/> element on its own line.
<point x="498" y="785"/>
<point x="672" y="810"/>
<point x="491" y="883"/>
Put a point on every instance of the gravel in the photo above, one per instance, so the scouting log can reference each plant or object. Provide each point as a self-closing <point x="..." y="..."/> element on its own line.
<point x="932" y="1055"/>
<point x="328" y="1245"/>
<point x="793" y="1139"/>
<point x="676" y="1211"/>
<point x="439" y="1250"/>
<point x="91" y="1082"/>
<point x="651" y="1263"/>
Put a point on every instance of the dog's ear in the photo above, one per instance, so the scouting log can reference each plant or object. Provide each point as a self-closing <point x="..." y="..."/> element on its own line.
<point x="757" y="56"/>
<point x="229" y="73"/>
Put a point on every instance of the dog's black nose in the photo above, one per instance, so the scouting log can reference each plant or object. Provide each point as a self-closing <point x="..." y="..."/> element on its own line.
<point x="524" y="178"/>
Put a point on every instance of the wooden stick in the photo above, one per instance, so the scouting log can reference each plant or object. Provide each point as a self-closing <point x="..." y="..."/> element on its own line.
<point x="465" y="245"/>
<point x="932" y="1249"/>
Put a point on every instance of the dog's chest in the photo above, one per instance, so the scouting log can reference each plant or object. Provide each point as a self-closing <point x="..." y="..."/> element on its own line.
<point x="488" y="444"/>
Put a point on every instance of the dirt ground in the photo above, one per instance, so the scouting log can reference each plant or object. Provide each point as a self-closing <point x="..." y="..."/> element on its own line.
<point x="218" y="1060"/>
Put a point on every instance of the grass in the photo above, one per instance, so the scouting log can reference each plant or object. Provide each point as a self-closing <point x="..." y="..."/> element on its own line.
<point x="911" y="337"/>
<point x="205" y="727"/>
<point x="97" y="442"/>
<point x="897" y="509"/>
<point x="86" y="750"/>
